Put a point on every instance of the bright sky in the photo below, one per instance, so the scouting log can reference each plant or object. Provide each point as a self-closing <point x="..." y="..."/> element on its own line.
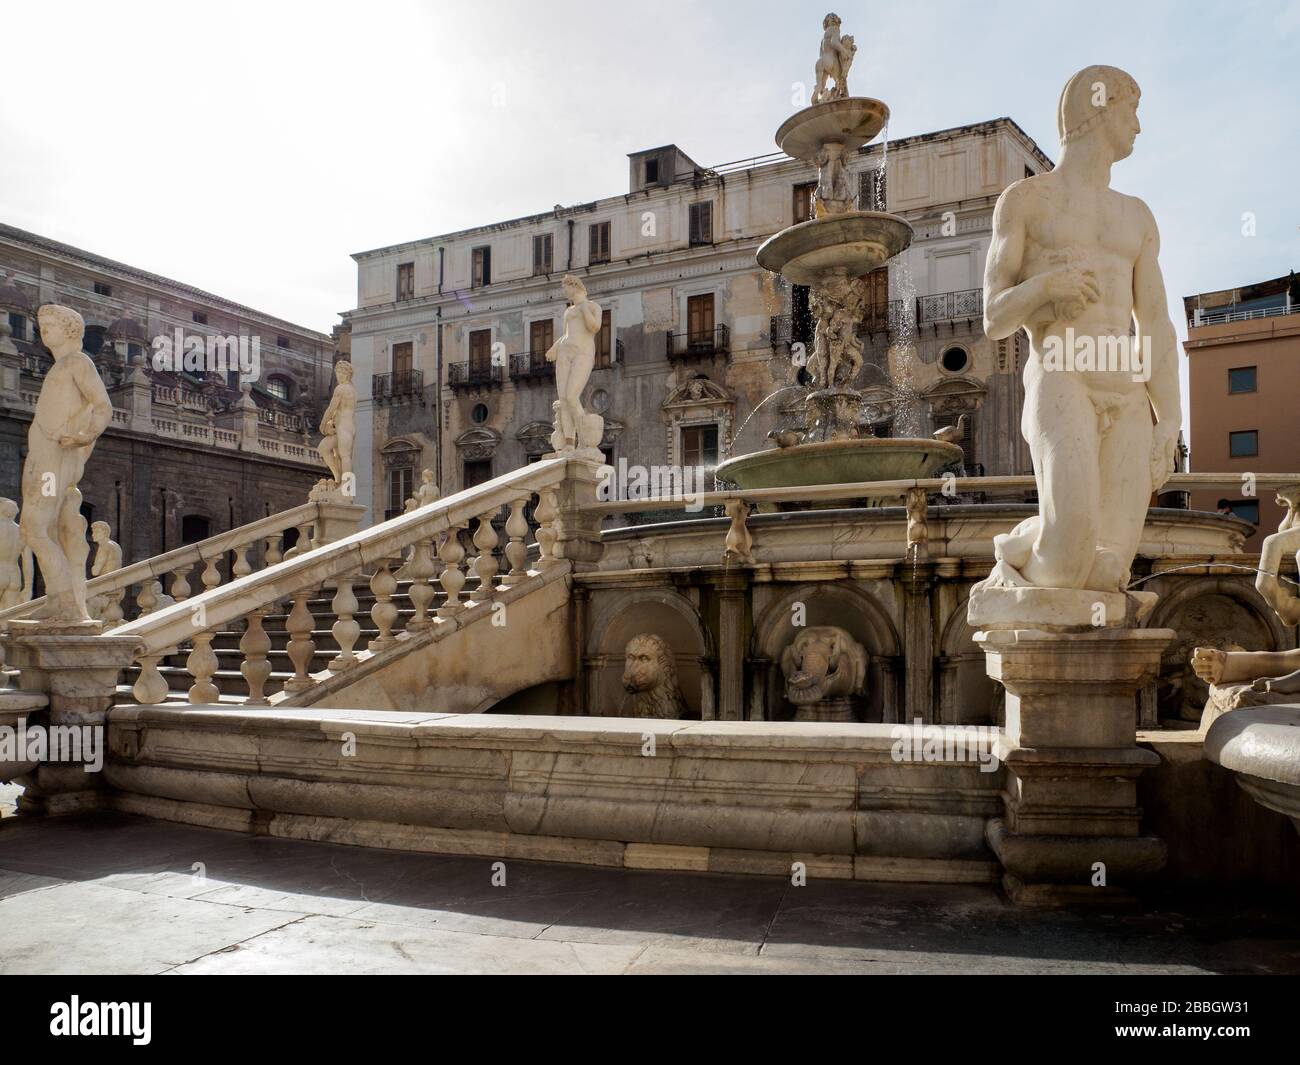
<point x="249" y="148"/>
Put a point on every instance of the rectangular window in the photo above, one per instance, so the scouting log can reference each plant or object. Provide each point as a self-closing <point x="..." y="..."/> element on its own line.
<point x="652" y="171"/>
<point x="699" y="319"/>
<point x="102" y="289"/>
<point x="480" y="351"/>
<point x="281" y="342"/>
<point x="1244" y="444"/>
<point x="403" y="357"/>
<point x="543" y="253"/>
<point x="701" y="228"/>
<point x="477" y="472"/>
<point x="1245" y="509"/>
<point x="199" y="318"/>
<point x="541" y="335"/>
<point x="405" y="281"/>
<point x="481" y="268"/>
<point x="699" y="445"/>
<point x="400" y="488"/>
<point x="871" y="190"/>
<point x="18" y="324"/>
<point x="599" y="242"/>
<point x="604" y="341"/>
<point x="803" y="201"/>
<point x="1242" y="379"/>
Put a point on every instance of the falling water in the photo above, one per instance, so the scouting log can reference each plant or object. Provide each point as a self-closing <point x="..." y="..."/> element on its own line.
<point x="907" y="420"/>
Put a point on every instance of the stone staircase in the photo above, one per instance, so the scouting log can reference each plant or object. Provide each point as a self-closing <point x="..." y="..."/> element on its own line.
<point x="225" y="643"/>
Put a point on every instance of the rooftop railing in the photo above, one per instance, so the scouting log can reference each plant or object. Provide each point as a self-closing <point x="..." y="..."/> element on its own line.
<point x="1220" y="317"/>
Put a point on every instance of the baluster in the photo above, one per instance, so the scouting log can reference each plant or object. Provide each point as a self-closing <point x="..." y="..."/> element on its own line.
<point x="548" y="513"/>
<point x="419" y="570"/>
<point x="242" y="567"/>
<point x="485" y="566"/>
<point x="210" y="576"/>
<point x="180" y="589"/>
<point x="453" y="577"/>
<point x="383" y="584"/>
<point x="346" y="631"/>
<point x="202" y="664"/>
<point x="149" y="596"/>
<point x="113" y="607"/>
<point x="256" y="667"/>
<point x="273" y="554"/>
<point x="301" y="646"/>
<point x="516" y="549"/>
<point x="150" y="686"/>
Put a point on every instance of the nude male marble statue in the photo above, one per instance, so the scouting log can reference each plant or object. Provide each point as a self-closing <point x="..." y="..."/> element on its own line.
<point x="1074" y="263"/>
<point x="71" y="412"/>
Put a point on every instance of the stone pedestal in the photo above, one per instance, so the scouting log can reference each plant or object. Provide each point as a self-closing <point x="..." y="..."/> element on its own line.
<point x="837" y="710"/>
<point x="577" y="531"/>
<point x="1072" y="832"/>
<point x="339" y="518"/>
<point x="77" y="672"/>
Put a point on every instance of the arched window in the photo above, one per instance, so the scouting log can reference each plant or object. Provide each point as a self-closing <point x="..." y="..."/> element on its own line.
<point x="279" y="388"/>
<point x="195" y="527"/>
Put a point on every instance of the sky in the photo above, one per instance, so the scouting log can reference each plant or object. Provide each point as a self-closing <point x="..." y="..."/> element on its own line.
<point x="250" y="148"/>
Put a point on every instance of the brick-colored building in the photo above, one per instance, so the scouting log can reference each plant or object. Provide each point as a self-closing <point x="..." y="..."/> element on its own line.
<point x="1243" y="352"/>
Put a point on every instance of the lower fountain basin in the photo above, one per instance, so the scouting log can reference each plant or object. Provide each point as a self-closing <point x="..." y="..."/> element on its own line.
<point x="852" y="121"/>
<point x="835" y="246"/>
<point x="840" y="462"/>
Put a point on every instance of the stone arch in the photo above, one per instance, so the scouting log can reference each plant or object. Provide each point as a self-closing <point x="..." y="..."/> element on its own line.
<point x="618" y="615"/>
<point x="847" y="606"/>
<point x="967" y="694"/>
<point x="1222" y="612"/>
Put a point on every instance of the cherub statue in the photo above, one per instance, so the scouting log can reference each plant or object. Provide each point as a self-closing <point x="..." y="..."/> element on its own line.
<point x="834" y="192"/>
<point x="836" y="57"/>
<point x="428" y="491"/>
<point x="1257" y="678"/>
<point x="740" y="542"/>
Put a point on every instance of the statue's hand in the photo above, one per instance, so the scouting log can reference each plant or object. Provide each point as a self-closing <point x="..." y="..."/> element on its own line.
<point x="1208" y="663"/>
<point x="1264" y="685"/>
<point x="1163" y="445"/>
<point x="327" y="427"/>
<point x="75" y="440"/>
<point x="550" y="353"/>
<point x="1072" y="285"/>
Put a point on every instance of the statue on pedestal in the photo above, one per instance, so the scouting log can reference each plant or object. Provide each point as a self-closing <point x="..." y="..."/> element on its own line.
<point x="15" y="559"/>
<point x="574" y="355"/>
<point x="71" y="412"/>
<point x="833" y="63"/>
<point x="108" y="558"/>
<point x="1075" y="263"/>
<point x="338" y="429"/>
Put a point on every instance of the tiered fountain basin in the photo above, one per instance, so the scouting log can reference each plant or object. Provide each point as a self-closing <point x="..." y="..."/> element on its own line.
<point x="836" y="246"/>
<point x="852" y="122"/>
<point x="841" y="462"/>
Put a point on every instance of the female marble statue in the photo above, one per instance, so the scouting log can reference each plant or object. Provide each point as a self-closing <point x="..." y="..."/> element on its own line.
<point x="574" y="355"/>
<point x="338" y="426"/>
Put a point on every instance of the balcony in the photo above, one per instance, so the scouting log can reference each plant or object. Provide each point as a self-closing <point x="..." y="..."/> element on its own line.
<point x="530" y="366"/>
<point x="702" y="345"/>
<point x="403" y="384"/>
<point x="785" y="329"/>
<point x="605" y="360"/>
<point x="950" y="307"/>
<point x="464" y="375"/>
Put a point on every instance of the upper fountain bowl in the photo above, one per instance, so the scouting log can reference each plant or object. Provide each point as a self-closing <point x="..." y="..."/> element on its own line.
<point x="851" y="121"/>
<point x="840" y="462"/>
<point x="835" y="246"/>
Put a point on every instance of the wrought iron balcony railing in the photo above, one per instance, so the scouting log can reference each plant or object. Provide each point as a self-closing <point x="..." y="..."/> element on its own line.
<point x="697" y="345"/>
<point x="787" y="329"/>
<point x="950" y="306"/>
<point x="530" y="364"/>
<point x="474" y="375"/>
<point x="397" y="385"/>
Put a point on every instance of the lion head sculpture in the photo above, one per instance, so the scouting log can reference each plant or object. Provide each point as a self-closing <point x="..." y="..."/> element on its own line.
<point x="822" y="663"/>
<point x="650" y="679"/>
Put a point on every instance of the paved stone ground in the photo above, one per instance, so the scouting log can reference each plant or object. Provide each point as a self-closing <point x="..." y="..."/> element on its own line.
<point x="121" y="895"/>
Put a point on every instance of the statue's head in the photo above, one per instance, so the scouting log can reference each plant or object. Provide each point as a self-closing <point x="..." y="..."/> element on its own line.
<point x="61" y="327"/>
<point x="426" y="477"/>
<point x="574" y="289"/>
<point x="99" y="531"/>
<point x="831" y="21"/>
<point x="343" y="371"/>
<point x="1100" y="101"/>
<point x="648" y="664"/>
<point x="8" y="509"/>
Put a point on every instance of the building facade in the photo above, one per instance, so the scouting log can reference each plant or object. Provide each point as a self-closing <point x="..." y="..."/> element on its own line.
<point x="449" y="334"/>
<point x="1243" y="359"/>
<point x="189" y="453"/>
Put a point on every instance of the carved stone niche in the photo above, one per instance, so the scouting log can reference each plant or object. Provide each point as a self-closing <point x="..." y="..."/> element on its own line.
<point x="699" y="401"/>
<point x="955" y="395"/>
<point x="825" y="669"/>
<point x="478" y="444"/>
<point x="535" y="439"/>
<point x="400" y="453"/>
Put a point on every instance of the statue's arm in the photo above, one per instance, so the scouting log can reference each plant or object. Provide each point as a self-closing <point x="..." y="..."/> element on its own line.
<point x="1155" y="331"/>
<point x="1279" y="594"/>
<point x="96" y="396"/>
<point x="1008" y="305"/>
<point x="592" y="315"/>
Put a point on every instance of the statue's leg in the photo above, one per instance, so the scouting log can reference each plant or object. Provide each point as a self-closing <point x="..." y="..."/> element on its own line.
<point x="72" y="539"/>
<point x="1060" y="426"/>
<point x="1124" y="462"/>
<point x="344" y="460"/>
